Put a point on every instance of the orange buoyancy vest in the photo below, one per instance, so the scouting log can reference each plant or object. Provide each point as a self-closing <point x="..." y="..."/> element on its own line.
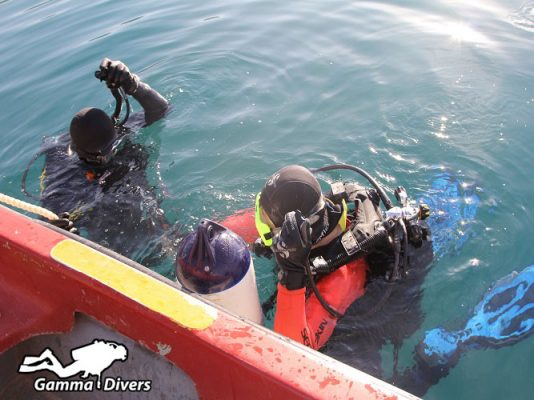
<point x="306" y="320"/>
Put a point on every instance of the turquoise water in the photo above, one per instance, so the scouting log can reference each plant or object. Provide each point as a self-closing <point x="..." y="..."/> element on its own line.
<point x="404" y="90"/>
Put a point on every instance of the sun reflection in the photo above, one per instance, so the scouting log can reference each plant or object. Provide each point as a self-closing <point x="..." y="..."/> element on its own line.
<point x="441" y="135"/>
<point x="461" y="32"/>
<point x="457" y="31"/>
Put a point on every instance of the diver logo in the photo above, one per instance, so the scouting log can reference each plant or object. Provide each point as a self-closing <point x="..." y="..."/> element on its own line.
<point x="273" y="179"/>
<point x="88" y="360"/>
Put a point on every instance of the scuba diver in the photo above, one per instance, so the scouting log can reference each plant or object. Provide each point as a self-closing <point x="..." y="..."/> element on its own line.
<point x="327" y="251"/>
<point x="328" y="246"/>
<point x="95" y="175"/>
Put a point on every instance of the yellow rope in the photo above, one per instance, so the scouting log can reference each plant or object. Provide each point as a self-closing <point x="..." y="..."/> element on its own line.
<point x="43" y="212"/>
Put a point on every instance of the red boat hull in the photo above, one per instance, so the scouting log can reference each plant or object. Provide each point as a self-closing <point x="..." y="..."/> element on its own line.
<point x="46" y="277"/>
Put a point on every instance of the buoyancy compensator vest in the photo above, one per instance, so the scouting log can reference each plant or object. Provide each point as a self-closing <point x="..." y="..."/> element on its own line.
<point x="388" y="239"/>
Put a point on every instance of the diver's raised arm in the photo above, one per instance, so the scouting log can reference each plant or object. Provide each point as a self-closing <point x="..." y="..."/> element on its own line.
<point x="116" y="74"/>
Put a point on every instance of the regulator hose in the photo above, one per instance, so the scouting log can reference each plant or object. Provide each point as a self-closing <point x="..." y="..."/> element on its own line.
<point x="383" y="196"/>
<point x="324" y="303"/>
<point x="119" y="94"/>
<point x="25" y="176"/>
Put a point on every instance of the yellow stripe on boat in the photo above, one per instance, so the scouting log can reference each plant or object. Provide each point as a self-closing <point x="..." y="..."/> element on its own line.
<point x="142" y="288"/>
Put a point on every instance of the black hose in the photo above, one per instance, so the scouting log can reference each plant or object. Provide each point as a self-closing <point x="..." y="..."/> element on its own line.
<point x="405" y="253"/>
<point x="118" y="105"/>
<point x="120" y="95"/>
<point x="383" y="196"/>
<point x="128" y="108"/>
<point x="397" y="272"/>
<point x="397" y="249"/>
<point x="25" y="176"/>
<point x="319" y="296"/>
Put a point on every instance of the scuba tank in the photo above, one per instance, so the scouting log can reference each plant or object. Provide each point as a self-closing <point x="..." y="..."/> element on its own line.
<point x="215" y="263"/>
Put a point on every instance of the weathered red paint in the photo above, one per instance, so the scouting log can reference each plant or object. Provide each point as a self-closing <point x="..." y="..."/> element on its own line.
<point x="378" y="395"/>
<point x="226" y="361"/>
<point x="329" y="380"/>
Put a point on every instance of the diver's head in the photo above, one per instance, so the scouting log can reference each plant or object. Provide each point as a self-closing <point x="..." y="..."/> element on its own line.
<point x="93" y="135"/>
<point x="289" y="189"/>
<point x="216" y="263"/>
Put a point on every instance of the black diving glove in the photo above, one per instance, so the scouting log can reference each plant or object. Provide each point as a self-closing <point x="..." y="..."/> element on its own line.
<point x="116" y="74"/>
<point x="291" y="248"/>
<point x="64" y="222"/>
<point x="261" y="250"/>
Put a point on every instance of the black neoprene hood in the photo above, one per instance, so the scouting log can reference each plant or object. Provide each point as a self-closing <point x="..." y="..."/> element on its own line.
<point x="92" y="131"/>
<point x="289" y="189"/>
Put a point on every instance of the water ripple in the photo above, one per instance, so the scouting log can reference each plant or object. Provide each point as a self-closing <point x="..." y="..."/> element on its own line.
<point x="41" y="4"/>
<point x="100" y="36"/>
<point x="523" y="18"/>
<point x="131" y="20"/>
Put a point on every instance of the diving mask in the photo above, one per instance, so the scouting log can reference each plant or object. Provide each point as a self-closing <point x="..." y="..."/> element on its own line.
<point x="101" y="157"/>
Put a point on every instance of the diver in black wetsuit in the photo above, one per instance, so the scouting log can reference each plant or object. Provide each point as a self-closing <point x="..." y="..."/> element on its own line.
<point x="96" y="173"/>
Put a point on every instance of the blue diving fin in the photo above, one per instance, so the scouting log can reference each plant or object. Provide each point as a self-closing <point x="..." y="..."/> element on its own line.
<point x="504" y="316"/>
<point x="452" y="205"/>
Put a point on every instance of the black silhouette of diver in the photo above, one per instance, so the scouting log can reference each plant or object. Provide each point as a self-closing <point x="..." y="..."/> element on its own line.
<point x="91" y="359"/>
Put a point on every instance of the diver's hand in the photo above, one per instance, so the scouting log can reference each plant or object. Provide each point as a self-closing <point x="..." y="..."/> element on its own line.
<point x="260" y="250"/>
<point x="292" y="248"/>
<point x="64" y="222"/>
<point x="116" y="74"/>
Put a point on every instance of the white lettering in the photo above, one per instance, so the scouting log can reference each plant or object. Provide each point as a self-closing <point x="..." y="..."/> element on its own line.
<point x="110" y="385"/>
<point x="60" y="386"/>
<point x="41" y="385"/>
<point x="119" y="385"/>
<point x="76" y="386"/>
<point x="38" y="385"/>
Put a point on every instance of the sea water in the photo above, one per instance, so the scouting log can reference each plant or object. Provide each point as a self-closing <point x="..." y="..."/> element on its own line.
<point x="406" y="90"/>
